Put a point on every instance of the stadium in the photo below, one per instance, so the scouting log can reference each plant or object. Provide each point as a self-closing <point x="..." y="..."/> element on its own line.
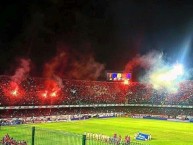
<point x="44" y="111"/>
<point x="96" y="72"/>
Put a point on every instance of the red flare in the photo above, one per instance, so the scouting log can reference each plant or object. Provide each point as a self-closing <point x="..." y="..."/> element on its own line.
<point x="51" y="90"/>
<point x="13" y="91"/>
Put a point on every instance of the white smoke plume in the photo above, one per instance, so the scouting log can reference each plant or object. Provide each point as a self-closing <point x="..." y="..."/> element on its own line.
<point x="159" y="73"/>
<point x="59" y="81"/>
<point x="146" y="61"/>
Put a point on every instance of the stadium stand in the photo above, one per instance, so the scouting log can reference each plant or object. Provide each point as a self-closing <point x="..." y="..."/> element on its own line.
<point x="24" y="99"/>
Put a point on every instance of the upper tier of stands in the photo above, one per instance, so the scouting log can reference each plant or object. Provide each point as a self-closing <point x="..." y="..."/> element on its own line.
<point x="39" y="91"/>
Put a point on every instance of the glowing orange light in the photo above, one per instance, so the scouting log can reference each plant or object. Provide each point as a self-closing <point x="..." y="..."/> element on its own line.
<point x="53" y="94"/>
<point x="14" y="92"/>
<point x="126" y="82"/>
<point x="45" y="94"/>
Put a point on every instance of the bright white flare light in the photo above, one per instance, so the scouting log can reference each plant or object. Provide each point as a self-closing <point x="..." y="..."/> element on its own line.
<point x="172" y="74"/>
<point x="167" y="77"/>
<point x="178" y="69"/>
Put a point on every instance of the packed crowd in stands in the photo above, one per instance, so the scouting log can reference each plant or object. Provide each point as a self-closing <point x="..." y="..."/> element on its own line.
<point x="38" y="91"/>
<point x="7" y="140"/>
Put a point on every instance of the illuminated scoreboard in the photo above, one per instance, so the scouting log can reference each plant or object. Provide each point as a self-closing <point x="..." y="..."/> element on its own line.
<point x="112" y="76"/>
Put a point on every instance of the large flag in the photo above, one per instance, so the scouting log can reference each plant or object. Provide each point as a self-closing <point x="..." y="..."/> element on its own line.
<point x="142" y="136"/>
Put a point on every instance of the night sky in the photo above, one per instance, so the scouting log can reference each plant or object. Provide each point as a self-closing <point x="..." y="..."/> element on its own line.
<point x="113" y="31"/>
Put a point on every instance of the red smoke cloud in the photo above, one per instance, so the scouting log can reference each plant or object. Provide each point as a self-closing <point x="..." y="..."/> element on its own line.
<point x="21" y="71"/>
<point x="72" y="65"/>
<point x="51" y="66"/>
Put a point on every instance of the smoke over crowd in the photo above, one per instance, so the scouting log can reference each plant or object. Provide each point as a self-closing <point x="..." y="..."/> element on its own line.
<point x="69" y="65"/>
<point x="146" y="61"/>
<point x="161" y="74"/>
<point x="65" y="64"/>
<point x="22" y="71"/>
<point x="73" y="65"/>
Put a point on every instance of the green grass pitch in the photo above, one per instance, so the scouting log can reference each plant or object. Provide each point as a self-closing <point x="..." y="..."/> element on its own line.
<point x="163" y="132"/>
